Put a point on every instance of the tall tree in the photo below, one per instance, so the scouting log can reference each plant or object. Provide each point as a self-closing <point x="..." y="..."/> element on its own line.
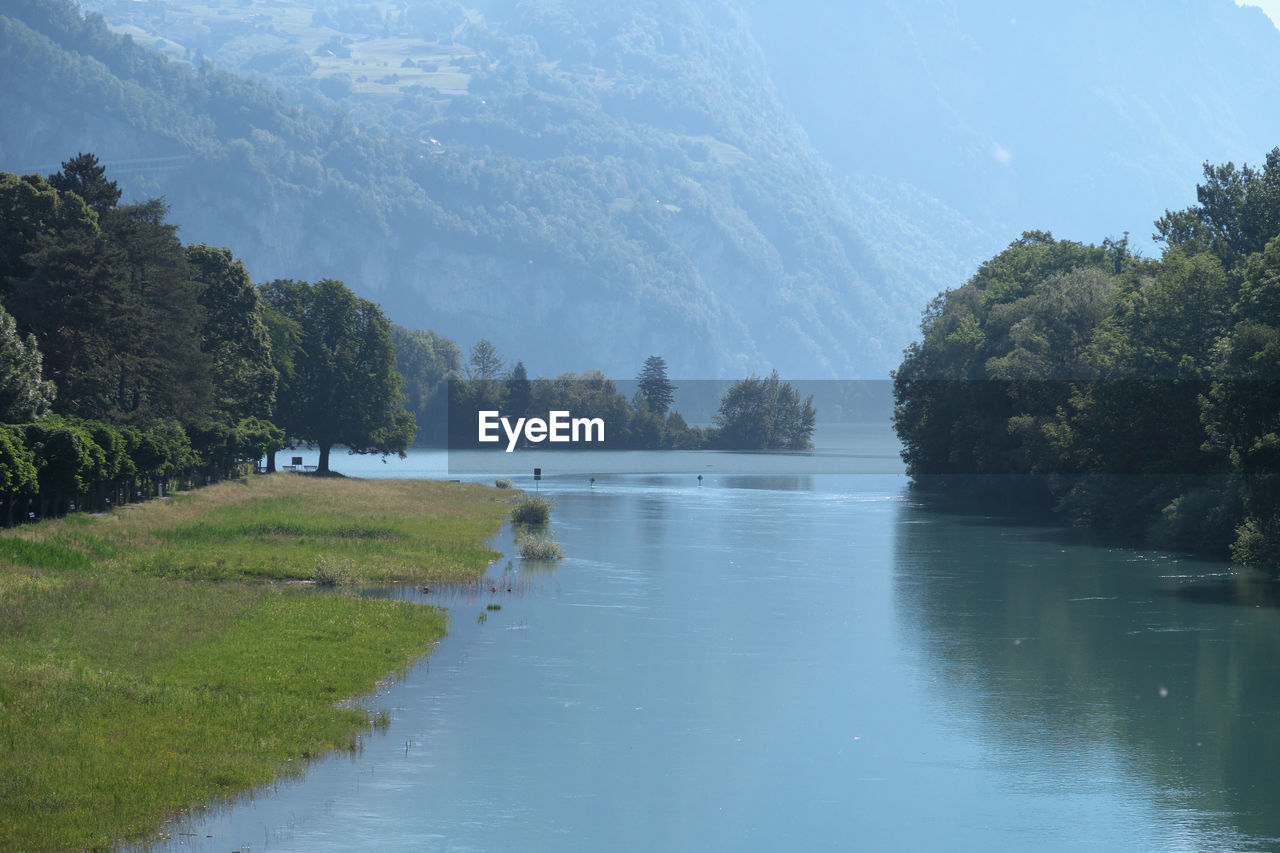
<point x="519" y="391"/>
<point x="33" y="213"/>
<point x="344" y="389"/>
<point x="1237" y="214"/>
<point x="484" y="363"/>
<point x="656" y="389"/>
<point x="427" y="362"/>
<point x="159" y="368"/>
<point x="286" y="342"/>
<point x="83" y="176"/>
<point x="234" y="336"/>
<point x="60" y="285"/>
<point x="24" y="395"/>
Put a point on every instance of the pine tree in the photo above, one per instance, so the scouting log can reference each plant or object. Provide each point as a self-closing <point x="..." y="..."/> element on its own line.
<point x="83" y="176"/>
<point x="656" y="389"/>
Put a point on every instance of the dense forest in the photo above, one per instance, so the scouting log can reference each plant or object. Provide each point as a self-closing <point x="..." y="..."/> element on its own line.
<point x="1141" y="394"/>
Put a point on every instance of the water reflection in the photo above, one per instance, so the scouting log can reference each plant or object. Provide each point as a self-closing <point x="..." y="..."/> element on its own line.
<point x="828" y="667"/>
<point x="770" y="484"/>
<point x="1062" y="648"/>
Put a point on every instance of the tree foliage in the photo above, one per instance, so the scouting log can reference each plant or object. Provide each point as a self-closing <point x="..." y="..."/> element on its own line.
<point x="158" y="361"/>
<point x="24" y="394"/>
<point x="87" y="178"/>
<point x="765" y="414"/>
<point x="655" y="387"/>
<point x="1153" y="384"/>
<point x="344" y="388"/>
<point x="427" y="362"/>
<point x="234" y="335"/>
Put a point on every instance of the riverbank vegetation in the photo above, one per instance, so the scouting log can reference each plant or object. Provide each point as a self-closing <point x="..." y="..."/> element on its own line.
<point x="531" y="516"/>
<point x="145" y="668"/>
<point x="130" y="363"/>
<point x="1141" y="394"/>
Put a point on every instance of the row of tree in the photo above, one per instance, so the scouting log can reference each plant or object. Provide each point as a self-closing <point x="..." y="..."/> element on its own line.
<point x="128" y="360"/>
<point x="754" y="413"/>
<point x="1143" y="394"/>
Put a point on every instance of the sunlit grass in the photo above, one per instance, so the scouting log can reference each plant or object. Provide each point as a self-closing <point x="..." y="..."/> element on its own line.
<point x="143" y="670"/>
<point x="277" y="527"/>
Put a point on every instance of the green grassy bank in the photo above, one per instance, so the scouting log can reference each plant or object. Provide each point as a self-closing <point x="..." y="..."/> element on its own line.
<point x="150" y="660"/>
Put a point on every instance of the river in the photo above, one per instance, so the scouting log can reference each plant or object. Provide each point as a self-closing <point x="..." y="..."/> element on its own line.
<point x="792" y="660"/>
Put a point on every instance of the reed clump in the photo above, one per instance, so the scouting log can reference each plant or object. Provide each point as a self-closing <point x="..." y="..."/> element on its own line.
<point x="335" y="572"/>
<point x="539" y="545"/>
<point x="533" y="510"/>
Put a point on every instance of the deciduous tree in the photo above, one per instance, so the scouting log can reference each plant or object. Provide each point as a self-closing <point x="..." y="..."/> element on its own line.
<point x="344" y="387"/>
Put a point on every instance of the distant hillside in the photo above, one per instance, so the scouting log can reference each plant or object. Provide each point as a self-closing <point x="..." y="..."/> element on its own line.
<point x="734" y="184"/>
<point x="614" y="182"/>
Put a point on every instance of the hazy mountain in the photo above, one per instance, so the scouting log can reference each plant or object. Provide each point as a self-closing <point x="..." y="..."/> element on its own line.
<point x="1087" y="119"/>
<point x="582" y="205"/>
<point x="733" y="184"/>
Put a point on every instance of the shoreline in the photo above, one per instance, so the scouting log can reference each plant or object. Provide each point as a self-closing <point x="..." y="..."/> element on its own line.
<point x="157" y="661"/>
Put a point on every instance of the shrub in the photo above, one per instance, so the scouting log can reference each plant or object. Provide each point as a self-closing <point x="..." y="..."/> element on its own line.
<point x="334" y="571"/>
<point x="532" y="510"/>
<point x="503" y="482"/>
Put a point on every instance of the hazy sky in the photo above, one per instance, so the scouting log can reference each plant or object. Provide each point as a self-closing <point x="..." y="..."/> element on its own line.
<point x="1271" y="7"/>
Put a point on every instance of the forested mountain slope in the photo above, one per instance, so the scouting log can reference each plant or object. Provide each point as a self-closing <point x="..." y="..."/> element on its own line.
<point x="736" y="184"/>
<point x="645" y="194"/>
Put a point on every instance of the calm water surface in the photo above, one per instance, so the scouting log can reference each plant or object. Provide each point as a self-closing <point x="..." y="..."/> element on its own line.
<point x="807" y="661"/>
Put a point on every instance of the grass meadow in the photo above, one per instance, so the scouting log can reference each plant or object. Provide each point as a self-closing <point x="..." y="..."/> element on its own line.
<point x="154" y="658"/>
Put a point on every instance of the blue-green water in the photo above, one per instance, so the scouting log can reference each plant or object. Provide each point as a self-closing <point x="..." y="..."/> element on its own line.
<point x="796" y="661"/>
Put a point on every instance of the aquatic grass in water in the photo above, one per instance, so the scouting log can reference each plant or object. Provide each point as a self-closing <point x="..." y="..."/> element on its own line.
<point x="540" y="545"/>
<point x="381" y="721"/>
<point x="531" y="509"/>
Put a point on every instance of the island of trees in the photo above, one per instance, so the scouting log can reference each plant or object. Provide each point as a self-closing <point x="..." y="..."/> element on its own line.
<point x="754" y="413"/>
<point x="1142" y="395"/>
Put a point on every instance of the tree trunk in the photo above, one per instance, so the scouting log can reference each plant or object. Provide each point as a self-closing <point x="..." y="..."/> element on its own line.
<point x="324" y="459"/>
<point x="271" y="461"/>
